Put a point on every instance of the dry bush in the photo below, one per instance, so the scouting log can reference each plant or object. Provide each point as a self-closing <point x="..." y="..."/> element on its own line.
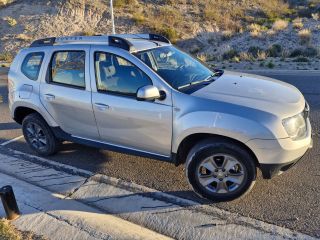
<point x="271" y="32"/>
<point x="262" y="55"/>
<point x="227" y="34"/>
<point x="123" y="3"/>
<point x="315" y="16"/>
<point x="164" y="20"/>
<point x="5" y="2"/>
<point x="11" y="21"/>
<point x="202" y="57"/>
<point x="245" y="56"/>
<point x="88" y="32"/>
<point x="279" y="25"/>
<point x="23" y="37"/>
<point x="305" y="36"/>
<point x="6" y="57"/>
<point x="138" y="18"/>
<point x="297" y="23"/>
<point x="230" y="54"/>
<point x="256" y="30"/>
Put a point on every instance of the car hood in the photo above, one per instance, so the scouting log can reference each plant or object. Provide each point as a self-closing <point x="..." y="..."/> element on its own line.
<point x="253" y="91"/>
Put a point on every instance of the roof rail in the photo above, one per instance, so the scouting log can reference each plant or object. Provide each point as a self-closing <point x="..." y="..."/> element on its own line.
<point x="120" y="42"/>
<point x="43" y="42"/>
<point x="146" y="36"/>
<point x="159" y="38"/>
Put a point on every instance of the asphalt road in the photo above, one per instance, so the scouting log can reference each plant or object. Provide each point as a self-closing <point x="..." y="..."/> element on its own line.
<point x="291" y="200"/>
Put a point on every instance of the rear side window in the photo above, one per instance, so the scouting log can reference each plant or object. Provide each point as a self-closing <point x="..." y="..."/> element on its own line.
<point x="31" y="65"/>
<point x="68" y="68"/>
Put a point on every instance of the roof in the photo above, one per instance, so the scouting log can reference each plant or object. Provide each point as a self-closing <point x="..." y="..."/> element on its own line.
<point x="129" y="42"/>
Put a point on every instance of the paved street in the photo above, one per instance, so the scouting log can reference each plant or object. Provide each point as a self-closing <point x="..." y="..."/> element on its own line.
<point x="291" y="200"/>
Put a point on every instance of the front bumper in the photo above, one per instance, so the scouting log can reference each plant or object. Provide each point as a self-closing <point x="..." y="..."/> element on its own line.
<point x="278" y="155"/>
<point x="271" y="170"/>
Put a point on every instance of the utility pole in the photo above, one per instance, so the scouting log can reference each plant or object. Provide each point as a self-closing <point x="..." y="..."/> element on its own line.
<point x="112" y="17"/>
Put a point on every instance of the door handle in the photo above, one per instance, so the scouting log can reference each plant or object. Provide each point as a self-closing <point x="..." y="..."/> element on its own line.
<point x="101" y="106"/>
<point x="49" y="97"/>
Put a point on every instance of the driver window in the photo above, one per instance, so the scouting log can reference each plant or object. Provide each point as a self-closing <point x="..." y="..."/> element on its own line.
<point x="115" y="74"/>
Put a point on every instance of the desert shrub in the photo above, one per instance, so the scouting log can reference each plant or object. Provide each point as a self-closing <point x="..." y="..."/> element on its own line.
<point x="297" y="23"/>
<point x="227" y="34"/>
<point x="5" y="2"/>
<point x="123" y="3"/>
<point x="169" y="2"/>
<point x="235" y="59"/>
<point x="254" y="50"/>
<point x="274" y="9"/>
<point x="275" y="50"/>
<point x="230" y="54"/>
<point x="307" y="52"/>
<point x="245" y="56"/>
<point x="305" y="36"/>
<point x="301" y="59"/>
<point x="164" y="20"/>
<point x="212" y="14"/>
<point x="262" y="55"/>
<point x="256" y="29"/>
<point x="202" y="57"/>
<point x="8" y="231"/>
<point x="279" y="25"/>
<point x="11" y="21"/>
<point x="23" y="37"/>
<point x="255" y="33"/>
<point x="168" y="32"/>
<point x="270" y="64"/>
<point x="88" y="32"/>
<point x="315" y="16"/>
<point x="296" y="52"/>
<point x="138" y="18"/>
<point x="310" y="52"/>
<point x="6" y="57"/>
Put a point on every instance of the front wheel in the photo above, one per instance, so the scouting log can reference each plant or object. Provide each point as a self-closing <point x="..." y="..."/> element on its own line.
<point x="220" y="170"/>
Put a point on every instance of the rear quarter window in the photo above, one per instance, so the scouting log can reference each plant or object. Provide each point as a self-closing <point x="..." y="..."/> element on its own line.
<point x="31" y="65"/>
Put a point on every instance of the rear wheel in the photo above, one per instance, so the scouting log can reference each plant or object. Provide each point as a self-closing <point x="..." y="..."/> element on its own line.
<point x="39" y="136"/>
<point x="220" y="170"/>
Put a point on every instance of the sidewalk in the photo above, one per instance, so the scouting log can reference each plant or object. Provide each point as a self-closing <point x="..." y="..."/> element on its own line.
<point x="62" y="202"/>
<point x="57" y="217"/>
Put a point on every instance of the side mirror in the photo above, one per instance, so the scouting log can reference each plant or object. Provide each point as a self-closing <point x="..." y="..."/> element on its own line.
<point x="148" y="92"/>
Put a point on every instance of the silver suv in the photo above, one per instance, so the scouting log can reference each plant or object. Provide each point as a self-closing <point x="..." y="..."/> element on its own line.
<point x="138" y="94"/>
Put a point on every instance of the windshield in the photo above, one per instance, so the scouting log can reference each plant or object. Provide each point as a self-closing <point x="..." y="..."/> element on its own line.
<point x="177" y="68"/>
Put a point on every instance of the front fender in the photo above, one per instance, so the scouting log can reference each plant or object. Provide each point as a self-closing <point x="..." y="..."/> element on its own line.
<point x="216" y="123"/>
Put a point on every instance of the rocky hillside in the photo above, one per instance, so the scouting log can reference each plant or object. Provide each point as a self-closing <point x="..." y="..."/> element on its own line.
<point x="214" y="30"/>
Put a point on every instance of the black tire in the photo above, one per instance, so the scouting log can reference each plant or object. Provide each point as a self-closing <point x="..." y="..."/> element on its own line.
<point x="51" y="142"/>
<point x="212" y="148"/>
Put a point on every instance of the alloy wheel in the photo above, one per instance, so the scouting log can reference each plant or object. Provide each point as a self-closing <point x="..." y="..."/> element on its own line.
<point x="36" y="136"/>
<point x="221" y="173"/>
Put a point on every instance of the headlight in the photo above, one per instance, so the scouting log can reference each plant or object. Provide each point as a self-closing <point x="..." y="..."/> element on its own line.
<point x="295" y="126"/>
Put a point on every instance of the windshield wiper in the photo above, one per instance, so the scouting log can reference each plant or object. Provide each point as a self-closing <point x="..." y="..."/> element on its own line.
<point x="207" y="79"/>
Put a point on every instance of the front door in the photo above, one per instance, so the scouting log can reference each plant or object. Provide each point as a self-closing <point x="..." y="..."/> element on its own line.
<point x="123" y="120"/>
<point x="66" y="93"/>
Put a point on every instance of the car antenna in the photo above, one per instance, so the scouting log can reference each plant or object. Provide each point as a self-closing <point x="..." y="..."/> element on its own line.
<point x="112" y="17"/>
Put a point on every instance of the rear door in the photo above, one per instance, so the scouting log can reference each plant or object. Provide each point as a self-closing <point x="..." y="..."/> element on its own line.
<point x="66" y="91"/>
